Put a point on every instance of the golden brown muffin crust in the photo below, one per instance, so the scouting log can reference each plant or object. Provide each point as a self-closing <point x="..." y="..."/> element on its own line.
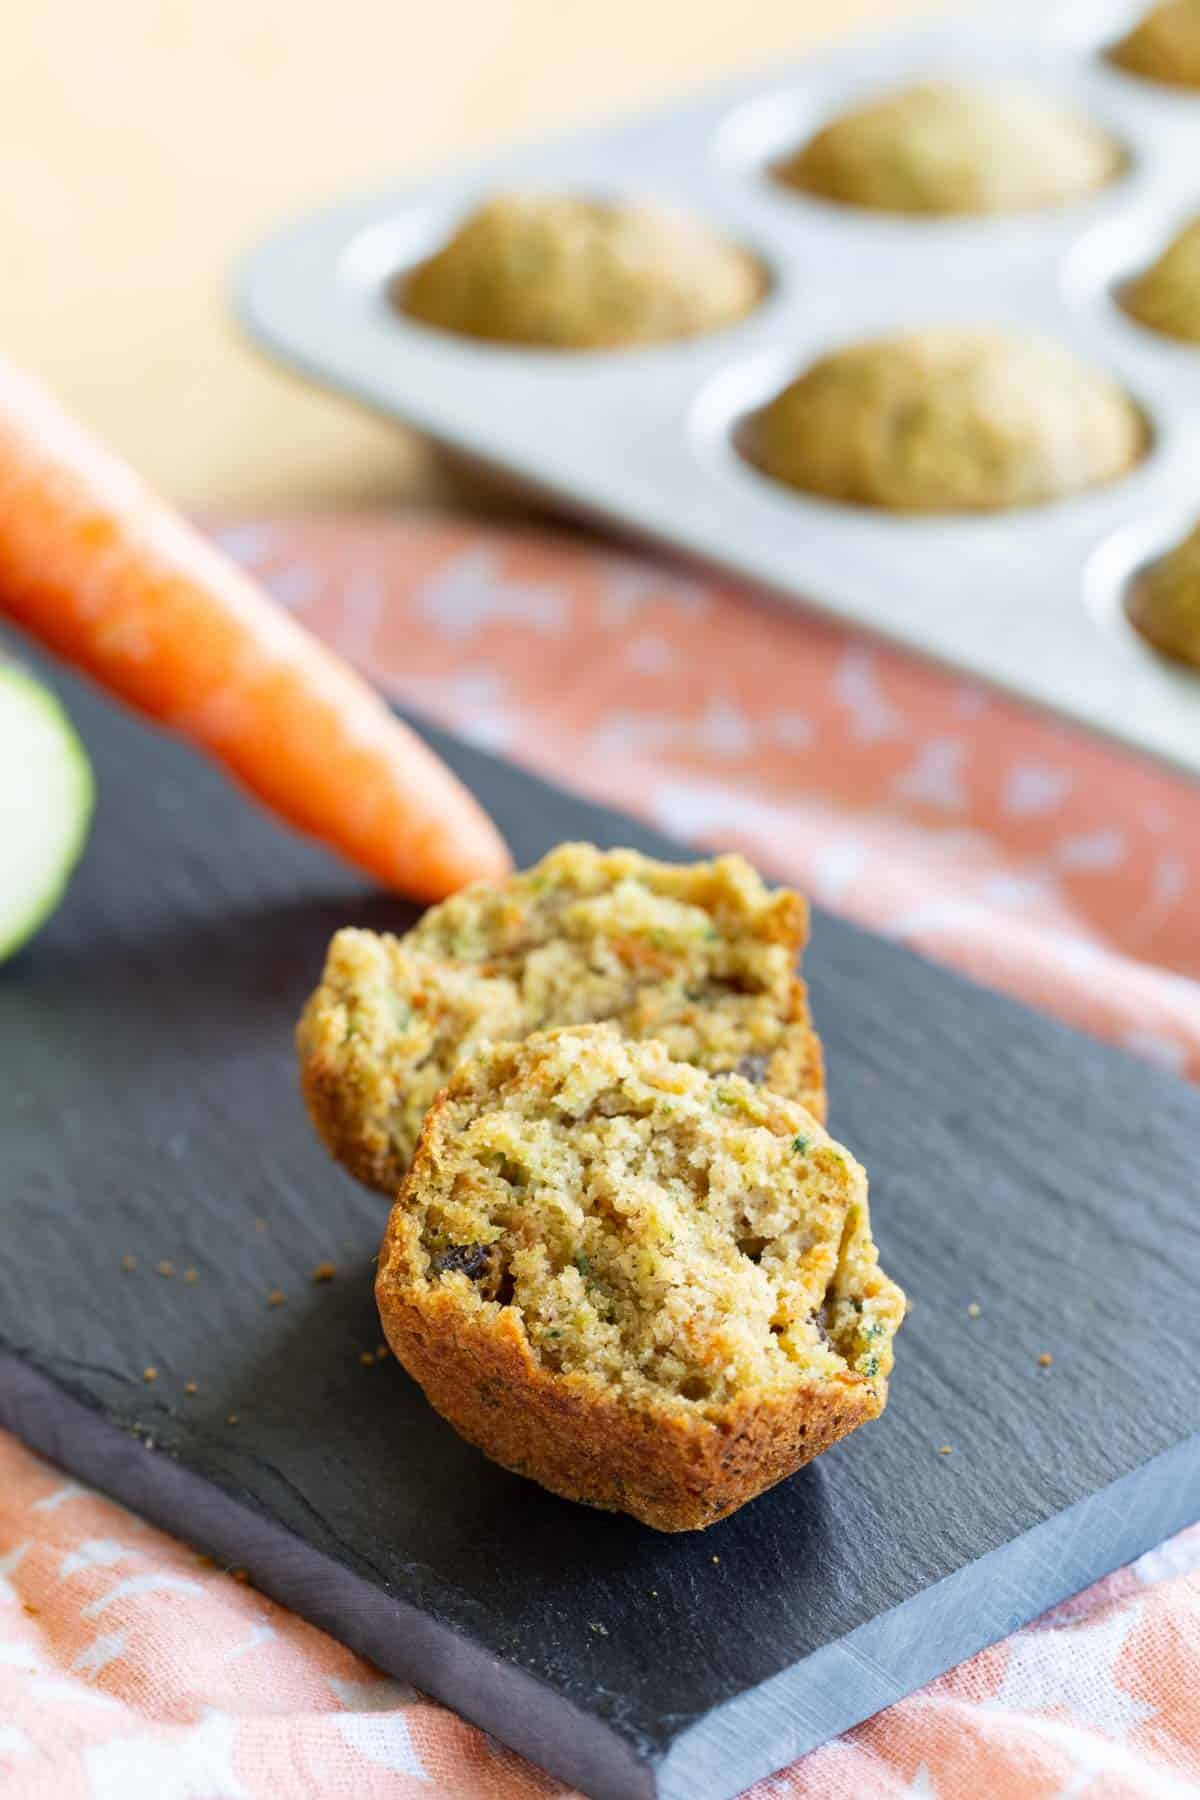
<point x="940" y="148"/>
<point x="948" y="420"/>
<point x="700" y="955"/>
<point x="582" y="274"/>
<point x="667" y="1472"/>
<point x="647" y="1288"/>
<point x="1166" y="296"/>
<point x="1164" y="45"/>
<point x="1164" y="601"/>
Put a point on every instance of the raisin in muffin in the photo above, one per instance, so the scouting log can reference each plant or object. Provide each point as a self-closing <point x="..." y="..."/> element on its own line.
<point x="650" y="1289"/>
<point x="576" y="274"/>
<point x="939" y="148"/>
<point x="944" y="420"/>
<point x="1164" y="601"/>
<point x="1164" y="45"/>
<point x="702" y="956"/>
<point x="1166" y="296"/>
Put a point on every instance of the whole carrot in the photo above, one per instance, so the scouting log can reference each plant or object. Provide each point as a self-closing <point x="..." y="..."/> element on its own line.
<point x="111" y="579"/>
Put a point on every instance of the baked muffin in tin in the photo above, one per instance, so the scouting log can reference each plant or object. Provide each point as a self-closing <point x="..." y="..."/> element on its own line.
<point x="943" y="148"/>
<point x="569" y="273"/>
<point x="948" y="420"/>
<point x="1166" y="296"/>
<point x="1164" y="601"/>
<point x="648" y="1288"/>
<point x="1164" y="45"/>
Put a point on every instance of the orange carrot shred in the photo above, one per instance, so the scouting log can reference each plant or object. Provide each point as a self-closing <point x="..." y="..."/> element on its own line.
<point x="108" y="577"/>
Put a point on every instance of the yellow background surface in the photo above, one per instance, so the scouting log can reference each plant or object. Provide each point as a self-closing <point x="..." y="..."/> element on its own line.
<point x="150" y="141"/>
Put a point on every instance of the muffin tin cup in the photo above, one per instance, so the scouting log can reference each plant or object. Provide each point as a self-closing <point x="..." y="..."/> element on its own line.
<point x="649" y="438"/>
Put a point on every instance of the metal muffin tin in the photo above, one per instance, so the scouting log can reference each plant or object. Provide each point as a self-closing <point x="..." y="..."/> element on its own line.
<point x="1029" y="599"/>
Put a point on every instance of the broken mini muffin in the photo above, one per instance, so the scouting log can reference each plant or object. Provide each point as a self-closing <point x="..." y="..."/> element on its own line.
<point x="580" y="274"/>
<point x="1166" y="296"/>
<point x="701" y="955"/>
<point x="650" y="1289"/>
<point x="948" y="420"/>
<point x="1164" y="601"/>
<point x="940" y="148"/>
<point x="1164" y="45"/>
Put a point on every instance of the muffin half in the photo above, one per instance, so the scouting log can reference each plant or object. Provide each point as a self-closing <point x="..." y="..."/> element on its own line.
<point x="647" y="1288"/>
<point x="1166" y="296"/>
<point x="940" y="148"/>
<point x="578" y="274"/>
<point x="945" y="420"/>
<point x="701" y="955"/>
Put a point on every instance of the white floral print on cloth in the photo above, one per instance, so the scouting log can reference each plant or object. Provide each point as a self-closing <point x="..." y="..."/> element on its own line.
<point x="1035" y="857"/>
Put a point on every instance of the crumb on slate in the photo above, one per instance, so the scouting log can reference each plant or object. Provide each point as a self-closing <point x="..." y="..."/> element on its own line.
<point x="166" y="1267"/>
<point x="129" y="1262"/>
<point x="260" y="1224"/>
<point x="366" y="1358"/>
<point x="600" y="1630"/>
<point x="150" y="1373"/>
<point x="974" y="1310"/>
<point x="231" y="1418"/>
<point x="191" y="1387"/>
<point x="191" y="1274"/>
<point x="276" y="1297"/>
<point x="945" y="1449"/>
<point x="324" y="1271"/>
<point x="1045" y="1359"/>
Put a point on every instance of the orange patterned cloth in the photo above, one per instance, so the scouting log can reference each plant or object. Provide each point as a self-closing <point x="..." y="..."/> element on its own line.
<point x="1036" y="858"/>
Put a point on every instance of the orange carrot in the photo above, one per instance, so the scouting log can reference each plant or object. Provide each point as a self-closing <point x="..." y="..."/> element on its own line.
<point x="111" y="579"/>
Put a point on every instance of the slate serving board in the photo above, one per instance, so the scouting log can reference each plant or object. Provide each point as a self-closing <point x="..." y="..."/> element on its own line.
<point x="148" y="1107"/>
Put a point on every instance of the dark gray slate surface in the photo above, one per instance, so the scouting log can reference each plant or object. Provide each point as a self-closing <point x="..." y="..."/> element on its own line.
<point x="148" y="1106"/>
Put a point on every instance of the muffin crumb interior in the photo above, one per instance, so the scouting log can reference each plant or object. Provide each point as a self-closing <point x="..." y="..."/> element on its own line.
<point x="671" y="1234"/>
